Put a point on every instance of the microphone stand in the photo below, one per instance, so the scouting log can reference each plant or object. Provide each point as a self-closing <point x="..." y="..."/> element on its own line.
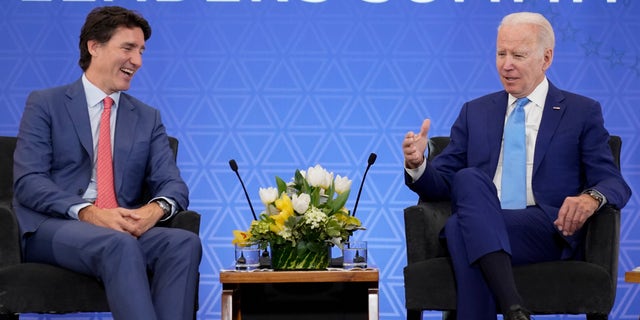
<point x="370" y="162"/>
<point x="337" y="262"/>
<point x="265" y="261"/>
<point x="234" y="167"/>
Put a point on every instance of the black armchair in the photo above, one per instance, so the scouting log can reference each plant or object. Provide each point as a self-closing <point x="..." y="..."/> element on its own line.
<point x="43" y="288"/>
<point x="558" y="287"/>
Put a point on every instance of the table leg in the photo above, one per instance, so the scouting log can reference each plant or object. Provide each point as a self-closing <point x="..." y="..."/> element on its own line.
<point x="230" y="305"/>
<point x="373" y="304"/>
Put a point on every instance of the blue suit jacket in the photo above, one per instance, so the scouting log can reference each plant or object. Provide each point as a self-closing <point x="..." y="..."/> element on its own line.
<point x="572" y="152"/>
<point x="54" y="152"/>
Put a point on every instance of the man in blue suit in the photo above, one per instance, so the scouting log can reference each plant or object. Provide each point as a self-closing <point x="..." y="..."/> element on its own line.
<point x="570" y="174"/>
<point x="148" y="272"/>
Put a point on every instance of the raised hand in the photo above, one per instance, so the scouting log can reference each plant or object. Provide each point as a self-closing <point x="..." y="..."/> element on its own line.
<point x="414" y="146"/>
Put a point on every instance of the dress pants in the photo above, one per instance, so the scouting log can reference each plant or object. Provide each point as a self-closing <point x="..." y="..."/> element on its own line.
<point x="478" y="226"/>
<point x="151" y="277"/>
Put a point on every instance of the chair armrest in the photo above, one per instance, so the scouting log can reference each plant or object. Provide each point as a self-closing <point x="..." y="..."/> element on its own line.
<point x="187" y="220"/>
<point x="9" y="237"/>
<point x="422" y="224"/>
<point x="602" y="240"/>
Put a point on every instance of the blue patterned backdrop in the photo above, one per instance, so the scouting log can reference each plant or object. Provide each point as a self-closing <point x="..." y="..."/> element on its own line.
<point x="279" y="85"/>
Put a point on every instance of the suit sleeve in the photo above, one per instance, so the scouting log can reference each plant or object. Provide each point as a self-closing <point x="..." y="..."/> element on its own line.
<point x="34" y="185"/>
<point x="163" y="178"/>
<point x="600" y="170"/>
<point x="435" y="182"/>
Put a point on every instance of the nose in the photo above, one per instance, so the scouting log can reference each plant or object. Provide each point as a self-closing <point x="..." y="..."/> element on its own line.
<point x="506" y="63"/>
<point x="136" y="59"/>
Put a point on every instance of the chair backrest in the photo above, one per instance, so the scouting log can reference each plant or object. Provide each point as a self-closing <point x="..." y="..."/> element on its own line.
<point x="9" y="233"/>
<point x="615" y="143"/>
<point x="173" y="143"/>
<point x="7" y="146"/>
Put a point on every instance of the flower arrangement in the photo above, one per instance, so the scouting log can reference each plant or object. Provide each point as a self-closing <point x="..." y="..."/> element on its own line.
<point x="306" y="213"/>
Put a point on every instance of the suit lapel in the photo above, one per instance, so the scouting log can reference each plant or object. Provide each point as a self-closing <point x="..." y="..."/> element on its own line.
<point x="124" y="137"/>
<point x="76" y="105"/>
<point x="495" y="127"/>
<point x="553" y="111"/>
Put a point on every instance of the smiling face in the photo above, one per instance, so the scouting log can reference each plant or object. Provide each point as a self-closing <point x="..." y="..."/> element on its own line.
<point x="114" y="62"/>
<point x="521" y="61"/>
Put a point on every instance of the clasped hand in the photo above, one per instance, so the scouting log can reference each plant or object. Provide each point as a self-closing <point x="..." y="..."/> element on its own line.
<point x="133" y="221"/>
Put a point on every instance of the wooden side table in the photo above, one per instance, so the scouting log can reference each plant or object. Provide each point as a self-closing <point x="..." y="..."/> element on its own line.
<point x="300" y="294"/>
<point x="633" y="276"/>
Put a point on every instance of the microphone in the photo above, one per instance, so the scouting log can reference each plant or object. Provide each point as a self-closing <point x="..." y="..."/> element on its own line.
<point x="371" y="161"/>
<point x="234" y="167"/>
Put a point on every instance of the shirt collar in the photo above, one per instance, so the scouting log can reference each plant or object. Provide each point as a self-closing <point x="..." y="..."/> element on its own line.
<point x="538" y="96"/>
<point x="95" y="95"/>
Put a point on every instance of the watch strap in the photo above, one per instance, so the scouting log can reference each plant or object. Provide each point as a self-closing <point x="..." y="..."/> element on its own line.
<point x="596" y="195"/>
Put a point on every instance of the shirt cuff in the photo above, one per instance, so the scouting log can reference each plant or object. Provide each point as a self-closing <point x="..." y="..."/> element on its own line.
<point x="416" y="173"/>
<point x="74" y="210"/>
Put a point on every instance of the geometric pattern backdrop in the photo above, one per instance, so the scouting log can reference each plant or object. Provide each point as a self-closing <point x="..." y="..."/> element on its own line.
<point x="285" y="84"/>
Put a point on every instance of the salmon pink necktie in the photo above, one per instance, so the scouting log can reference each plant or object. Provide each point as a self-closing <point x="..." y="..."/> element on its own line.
<point x="106" y="198"/>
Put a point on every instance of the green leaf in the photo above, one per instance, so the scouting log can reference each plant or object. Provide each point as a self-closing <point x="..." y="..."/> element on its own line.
<point x="298" y="179"/>
<point x="282" y="186"/>
<point x="340" y="201"/>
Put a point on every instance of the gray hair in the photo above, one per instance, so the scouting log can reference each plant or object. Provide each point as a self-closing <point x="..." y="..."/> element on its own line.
<point x="546" y="37"/>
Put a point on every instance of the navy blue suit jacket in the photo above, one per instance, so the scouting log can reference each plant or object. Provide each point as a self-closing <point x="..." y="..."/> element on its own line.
<point x="54" y="152"/>
<point x="572" y="152"/>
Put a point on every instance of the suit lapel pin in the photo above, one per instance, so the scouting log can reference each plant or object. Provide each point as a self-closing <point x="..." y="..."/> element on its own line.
<point x="556" y="108"/>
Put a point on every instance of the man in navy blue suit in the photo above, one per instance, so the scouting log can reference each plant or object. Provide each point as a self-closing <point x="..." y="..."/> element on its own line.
<point x="570" y="174"/>
<point x="148" y="272"/>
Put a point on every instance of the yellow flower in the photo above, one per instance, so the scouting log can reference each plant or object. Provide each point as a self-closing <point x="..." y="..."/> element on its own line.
<point x="285" y="205"/>
<point x="240" y="237"/>
<point x="343" y="211"/>
<point x="278" y="224"/>
<point x="344" y="216"/>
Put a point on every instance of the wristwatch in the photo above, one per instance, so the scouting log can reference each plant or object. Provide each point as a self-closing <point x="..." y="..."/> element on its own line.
<point x="595" y="195"/>
<point x="165" y="206"/>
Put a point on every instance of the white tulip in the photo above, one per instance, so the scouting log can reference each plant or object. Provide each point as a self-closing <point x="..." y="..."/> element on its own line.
<point x="342" y="184"/>
<point x="328" y="179"/>
<point x="268" y="195"/>
<point x="301" y="202"/>
<point x="315" y="176"/>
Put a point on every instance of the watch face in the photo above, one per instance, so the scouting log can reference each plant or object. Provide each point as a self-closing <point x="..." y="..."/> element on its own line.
<point x="596" y="196"/>
<point x="164" y="205"/>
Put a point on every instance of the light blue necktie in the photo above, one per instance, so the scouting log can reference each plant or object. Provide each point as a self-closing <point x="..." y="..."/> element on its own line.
<point x="514" y="163"/>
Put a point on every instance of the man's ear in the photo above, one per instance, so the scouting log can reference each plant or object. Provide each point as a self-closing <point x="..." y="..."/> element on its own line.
<point x="547" y="58"/>
<point x="92" y="47"/>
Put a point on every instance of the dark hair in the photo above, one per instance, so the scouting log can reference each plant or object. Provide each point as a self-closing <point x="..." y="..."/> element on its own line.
<point x="100" y="25"/>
